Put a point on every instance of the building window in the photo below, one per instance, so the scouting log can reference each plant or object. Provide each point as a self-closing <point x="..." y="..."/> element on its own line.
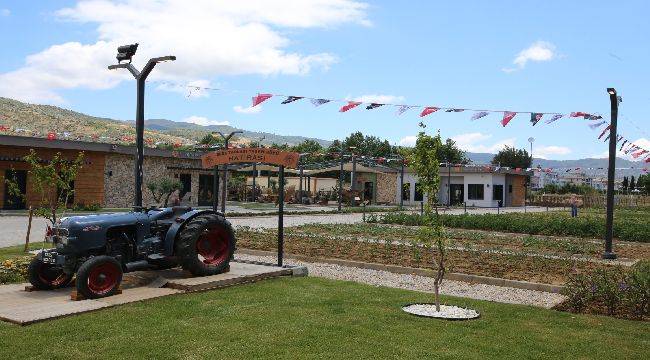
<point x="419" y="196"/>
<point x="509" y="189"/>
<point x="406" y="192"/>
<point x="475" y="191"/>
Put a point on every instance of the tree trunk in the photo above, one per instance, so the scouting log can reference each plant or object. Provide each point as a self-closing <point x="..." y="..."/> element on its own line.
<point x="437" y="294"/>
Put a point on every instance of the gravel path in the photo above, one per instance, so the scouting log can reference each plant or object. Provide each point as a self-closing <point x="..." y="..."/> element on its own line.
<point x="422" y="283"/>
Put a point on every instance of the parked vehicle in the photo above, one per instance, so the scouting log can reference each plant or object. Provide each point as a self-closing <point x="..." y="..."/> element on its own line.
<point x="97" y="249"/>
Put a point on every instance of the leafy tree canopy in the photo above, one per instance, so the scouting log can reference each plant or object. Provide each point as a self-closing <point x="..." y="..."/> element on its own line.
<point x="513" y="158"/>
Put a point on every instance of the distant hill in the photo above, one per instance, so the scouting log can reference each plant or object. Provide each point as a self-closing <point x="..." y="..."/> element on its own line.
<point x="196" y="132"/>
<point x="23" y="119"/>
<point x="591" y="166"/>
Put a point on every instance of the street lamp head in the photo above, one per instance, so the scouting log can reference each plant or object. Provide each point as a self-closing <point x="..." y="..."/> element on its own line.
<point x="126" y="52"/>
<point x="531" y="140"/>
<point x="611" y="91"/>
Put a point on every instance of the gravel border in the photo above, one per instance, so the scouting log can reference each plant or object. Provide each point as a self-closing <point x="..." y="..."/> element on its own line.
<point x="421" y="283"/>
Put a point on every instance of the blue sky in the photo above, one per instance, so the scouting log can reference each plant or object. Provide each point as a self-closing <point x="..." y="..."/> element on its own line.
<point x="546" y="56"/>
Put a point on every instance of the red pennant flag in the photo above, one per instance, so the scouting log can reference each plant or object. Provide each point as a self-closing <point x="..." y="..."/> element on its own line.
<point x="350" y="105"/>
<point x="260" y="98"/>
<point x="637" y="154"/>
<point x="428" y="110"/>
<point x="51" y="136"/>
<point x="648" y="161"/>
<point x="604" y="131"/>
<point x="507" y="116"/>
<point x="578" y="114"/>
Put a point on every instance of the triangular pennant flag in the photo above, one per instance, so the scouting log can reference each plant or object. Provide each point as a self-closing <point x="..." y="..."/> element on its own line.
<point x="592" y="117"/>
<point x="637" y="154"/>
<point x="401" y="109"/>
<point x="350" y="105"/>
<point x="428" y="110"/>
<point x="454" y="110"/>
<point x="578" y="114"/>
<point x="596" y="126"/>
<point x="291" y="99"/>
<point x="618" y="139"/>
<point x="260" y="98"/>
<point x="535" y="118"/>
<point x="479" y="115"/>
<point x="623" y="145"/>
<point x="319" y="102"/>
<point x="507" y="116"/>
<point x="604" y="131"/>
<point x="373" y="106"/>
<point x="555" y="118"/>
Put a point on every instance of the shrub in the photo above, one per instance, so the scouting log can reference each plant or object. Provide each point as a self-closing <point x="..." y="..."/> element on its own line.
<point x="611" y="291"/>
<point x="14" y="270"/>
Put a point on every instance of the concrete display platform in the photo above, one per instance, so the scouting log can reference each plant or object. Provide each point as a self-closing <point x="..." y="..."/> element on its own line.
<point x="26" y="307"/>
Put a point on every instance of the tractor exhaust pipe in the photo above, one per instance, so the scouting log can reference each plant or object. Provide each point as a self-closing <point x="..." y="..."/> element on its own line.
<point x="138" y="265"/>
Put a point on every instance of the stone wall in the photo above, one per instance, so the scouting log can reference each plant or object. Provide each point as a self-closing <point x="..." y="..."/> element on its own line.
<point x="119" y="182"/>
<point x="386" y="185"/>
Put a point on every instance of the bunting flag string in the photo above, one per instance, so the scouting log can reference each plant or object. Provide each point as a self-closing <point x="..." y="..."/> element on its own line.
<point x="291" y="99"/>
<point x="604" y="131"/>
<point x="428" y="110"/>
<point x="479" y="115"/>
<point x="507" y="117"/>
<point x="535" y="118"/>
<point x="349" y="106"/>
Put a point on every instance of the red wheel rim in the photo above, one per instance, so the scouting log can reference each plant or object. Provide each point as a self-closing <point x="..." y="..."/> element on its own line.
<point x="212" y="246"/>
<point x="103" y="278"/>
<point x="51" y="275"/>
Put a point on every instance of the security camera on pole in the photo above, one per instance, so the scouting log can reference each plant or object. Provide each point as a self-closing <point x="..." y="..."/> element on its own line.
<point x="125" y="53"/>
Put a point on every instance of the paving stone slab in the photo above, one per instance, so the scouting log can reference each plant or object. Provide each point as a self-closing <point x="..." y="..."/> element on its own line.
<point x="26" y="307"/>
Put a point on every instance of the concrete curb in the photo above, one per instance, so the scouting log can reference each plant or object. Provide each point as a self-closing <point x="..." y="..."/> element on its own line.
<point x="473" y="279"/>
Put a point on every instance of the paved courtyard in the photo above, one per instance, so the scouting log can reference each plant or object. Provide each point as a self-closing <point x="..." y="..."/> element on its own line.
<point x="14" y="228"/>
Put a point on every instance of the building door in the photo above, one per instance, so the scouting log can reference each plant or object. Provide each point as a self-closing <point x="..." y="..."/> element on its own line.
<point x="368" y="190"/>
<point x="186" y="181"/>
<point x="205" y="190"/>
<point x="457" y="194"/>
<point x="497" y="194"/>
<point x="13" y="202"/>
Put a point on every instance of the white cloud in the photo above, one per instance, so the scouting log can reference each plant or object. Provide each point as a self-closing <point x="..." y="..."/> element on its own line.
<point x="408" y="141"/>
<point x="380" y="99"/>
<point x="544" y="152"/>
<point x="210" y="38"/>
<point x="5" y="12"/>
<point x="475" y="142"/>
<point x="247" y="110"/>
<point x="203" y="121"/>
<point x="538" y="51"/>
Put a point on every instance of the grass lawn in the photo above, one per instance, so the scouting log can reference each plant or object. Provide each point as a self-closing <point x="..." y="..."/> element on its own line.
<point x="295" y="318"/>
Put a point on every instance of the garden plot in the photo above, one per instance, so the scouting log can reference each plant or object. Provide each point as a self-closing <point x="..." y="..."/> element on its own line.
<point x="528" y="258"/>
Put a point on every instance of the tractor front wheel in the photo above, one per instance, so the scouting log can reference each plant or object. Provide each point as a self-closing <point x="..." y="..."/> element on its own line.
<point x="99" y="276"/>
<point x="47" y="277"/>
<point x="205" y="245"/>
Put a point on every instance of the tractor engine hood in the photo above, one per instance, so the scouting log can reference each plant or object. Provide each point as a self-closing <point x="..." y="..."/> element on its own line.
<point x="89" y="231"/>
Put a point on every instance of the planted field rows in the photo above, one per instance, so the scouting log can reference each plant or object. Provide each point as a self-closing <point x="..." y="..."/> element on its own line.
<point x="517" y="257"/>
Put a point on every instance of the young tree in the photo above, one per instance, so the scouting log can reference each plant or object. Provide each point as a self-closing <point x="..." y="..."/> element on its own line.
<point x="625" y="184"/>
<point x="53" y="181"/>
<point x="513" y="158"/>
<point x="644" y="183"/>
<point x="424" y="160"/>
<point x="163" y="189"/>
<point x="632" y="184"/>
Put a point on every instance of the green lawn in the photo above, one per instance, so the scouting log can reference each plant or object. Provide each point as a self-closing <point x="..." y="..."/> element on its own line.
<point x="296" y="318"/>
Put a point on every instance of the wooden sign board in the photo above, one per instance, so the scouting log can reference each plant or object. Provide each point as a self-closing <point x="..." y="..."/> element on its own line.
<point x="250" y="155"/>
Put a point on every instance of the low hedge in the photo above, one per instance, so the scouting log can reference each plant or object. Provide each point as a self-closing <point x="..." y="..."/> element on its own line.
<point x="554" y="224"/>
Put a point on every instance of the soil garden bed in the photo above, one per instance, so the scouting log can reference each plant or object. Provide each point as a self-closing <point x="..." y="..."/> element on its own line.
<point x="354" y="242"/>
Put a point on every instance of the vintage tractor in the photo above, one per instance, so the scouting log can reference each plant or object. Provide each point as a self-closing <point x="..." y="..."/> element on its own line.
<point x="98" y="249"/>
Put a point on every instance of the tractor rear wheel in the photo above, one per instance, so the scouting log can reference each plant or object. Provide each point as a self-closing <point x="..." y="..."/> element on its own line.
<point x="99" y="276"/>
<point x="205" y="245"/>
<point x="47" y="277"/>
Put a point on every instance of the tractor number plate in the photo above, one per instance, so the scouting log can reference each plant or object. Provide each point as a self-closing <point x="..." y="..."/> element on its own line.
<point x="49" y="258"/>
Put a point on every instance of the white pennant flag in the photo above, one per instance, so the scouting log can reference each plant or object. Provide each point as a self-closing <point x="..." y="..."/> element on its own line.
<point x="401" y="109"/>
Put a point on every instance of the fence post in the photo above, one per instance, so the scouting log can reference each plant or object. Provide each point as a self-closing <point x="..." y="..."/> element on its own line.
<point x="364" y="211"/>
<point x="29" y="228"/>
<point x="421" y="208"/>
<point x="465" y="207"/>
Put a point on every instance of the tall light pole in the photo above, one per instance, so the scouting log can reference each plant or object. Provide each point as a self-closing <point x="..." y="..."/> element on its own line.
<point x="125" y="53"/>
<point x="531" y="140"/>
<point x="340" y="197"/>
<point x="611" y="174"/>
<point x="224" y="186"/>
<point x="353" y="176"/>
<point x="259" y="144"/>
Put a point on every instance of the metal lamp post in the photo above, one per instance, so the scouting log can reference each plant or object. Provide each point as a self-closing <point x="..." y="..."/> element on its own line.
<point x="224" y="186"/>
<point x="125" y="53"/>
<point x="611" y="173"/>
